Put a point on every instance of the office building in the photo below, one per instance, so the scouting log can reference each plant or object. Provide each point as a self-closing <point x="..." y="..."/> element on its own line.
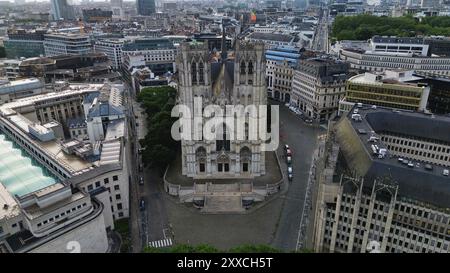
<point x="96" y="15"/>
<point x="392" y="88"/>
<point x="22" y="43"/>
<point x="145" y="7"/>
<point x="13" y="90"/>
<point x="66" y="43"/>
<point x="158" y="54"/>
<point x="280" y="65"/>
<point x="112" y="48"/>
<point x="385" y="184"/>
<point x="60" y="9"/>
<point x="318" y="85"/>
<point x="76" y="188"/>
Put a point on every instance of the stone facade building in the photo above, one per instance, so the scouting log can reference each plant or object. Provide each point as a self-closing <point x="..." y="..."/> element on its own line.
<point x="238" y="79"/>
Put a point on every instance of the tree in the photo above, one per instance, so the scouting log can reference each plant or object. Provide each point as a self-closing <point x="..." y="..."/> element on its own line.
<point x="363" y="27"/>
<point x="160" y="147"/>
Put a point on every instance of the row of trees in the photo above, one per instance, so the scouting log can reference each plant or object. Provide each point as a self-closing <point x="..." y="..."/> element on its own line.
<point x="363" y="27"/>
<point x="205" y="248"/>
<point x="160" y="147"/>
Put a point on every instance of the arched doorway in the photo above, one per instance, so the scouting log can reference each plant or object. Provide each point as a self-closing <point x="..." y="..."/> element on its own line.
<point x="287" y="98"/>
<point x="200" y="160"/>
<point x="277" y="95"/>
<point x="245" y="156"/>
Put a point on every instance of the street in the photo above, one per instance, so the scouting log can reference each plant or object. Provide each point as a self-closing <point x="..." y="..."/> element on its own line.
<point x="302" y="139"/>
<point x="320" y="41"/>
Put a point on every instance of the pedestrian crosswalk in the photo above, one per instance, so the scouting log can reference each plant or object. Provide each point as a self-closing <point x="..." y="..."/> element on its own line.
<point x="161" y="243"/>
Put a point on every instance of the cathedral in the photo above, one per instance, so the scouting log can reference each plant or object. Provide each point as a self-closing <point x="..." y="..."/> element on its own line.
<point x="235" y="78"/>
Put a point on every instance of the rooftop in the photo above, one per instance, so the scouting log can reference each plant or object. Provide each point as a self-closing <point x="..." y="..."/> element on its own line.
<point x="429" y="186"/>
<point x="271" y="37"/>
<point x="20" y="85"/>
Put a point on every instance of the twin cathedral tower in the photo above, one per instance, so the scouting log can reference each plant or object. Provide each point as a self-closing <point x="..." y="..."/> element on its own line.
<point x="236" y="79"/>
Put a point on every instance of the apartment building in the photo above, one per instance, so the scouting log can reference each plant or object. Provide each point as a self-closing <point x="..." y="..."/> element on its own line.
<point x="392" y="88"/>
<point x="318" y="85"/>
<point x="66" y="43"/>
<point x="384" y="185"/>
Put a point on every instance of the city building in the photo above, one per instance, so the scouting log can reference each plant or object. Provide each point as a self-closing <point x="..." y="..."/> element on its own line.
<point x="385" y="182"/>
<point x="214" y="41"/>
<point x="12" y="90"/>
<point x="22" y="43"/>
<point x="145" y="7"/>
<point x="96" y="15"/>
<point x="113" y="49"/>
<point x="76" y="188"/>
<point x="9" y="69"/>
<point x="420" y="46"/>
<point x="273" y="39"/>
<point x="66" y="43"/>
<point x="60" y="9"/>
<point x="144" y="77"/>
<point x="117" y="9"/>
<point x="429" y="54"/>
<point x="391" y="88"/>
<point x="318" y="85"/>
<point x="280" y="65"/>
<point x="158" y="54"/>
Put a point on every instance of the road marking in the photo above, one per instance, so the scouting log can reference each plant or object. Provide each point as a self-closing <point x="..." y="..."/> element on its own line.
<point x="161" y="243"/>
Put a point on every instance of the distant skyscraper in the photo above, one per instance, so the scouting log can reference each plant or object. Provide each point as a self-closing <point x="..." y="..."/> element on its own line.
<point x="117" y="8"/>
<point x="145" y="7"/>
<point x="61" y="9"/>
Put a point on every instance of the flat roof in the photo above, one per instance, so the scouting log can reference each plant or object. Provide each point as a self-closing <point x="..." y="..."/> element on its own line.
<point x="429" y="186"/>
<point x="8" y="205"/>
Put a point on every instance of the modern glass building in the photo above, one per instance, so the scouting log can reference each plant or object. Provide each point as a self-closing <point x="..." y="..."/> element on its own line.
<point x="145" y="7"/>
<point x="62" y="9"/>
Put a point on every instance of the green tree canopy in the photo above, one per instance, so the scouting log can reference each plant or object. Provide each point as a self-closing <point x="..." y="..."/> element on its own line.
<point x="363" y="27"/>
<point x="160" y="147"/>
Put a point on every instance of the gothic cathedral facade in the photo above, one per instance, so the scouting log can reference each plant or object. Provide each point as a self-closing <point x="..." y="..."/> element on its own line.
<point x="236" y="79"/>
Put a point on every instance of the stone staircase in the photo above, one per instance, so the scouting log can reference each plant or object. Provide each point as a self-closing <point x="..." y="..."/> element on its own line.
<point x="217" y="203"/>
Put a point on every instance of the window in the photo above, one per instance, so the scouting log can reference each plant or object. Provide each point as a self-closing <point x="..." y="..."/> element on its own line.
<point x="119" y="206"/>
<point x="97" y="184"/>
<point x="106" y="180"/>
<point x="117" y="196"/>
<point x="116" y="187"/>
<point x="115" y="178"/>
<point x="90" y="187"/>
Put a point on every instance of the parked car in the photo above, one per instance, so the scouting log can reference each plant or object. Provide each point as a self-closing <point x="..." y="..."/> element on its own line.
<point x="290" y="171"/>
<point x="142" y="204"/>
<point x="289" y="160"/>
<point x="141" y="181"/>
<point x="288" y="152"/>
<point x="287" y="104"/>
<point x="290" y="177"/>
<point x="286" y="147"/>
<point x="445" y="172"/>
